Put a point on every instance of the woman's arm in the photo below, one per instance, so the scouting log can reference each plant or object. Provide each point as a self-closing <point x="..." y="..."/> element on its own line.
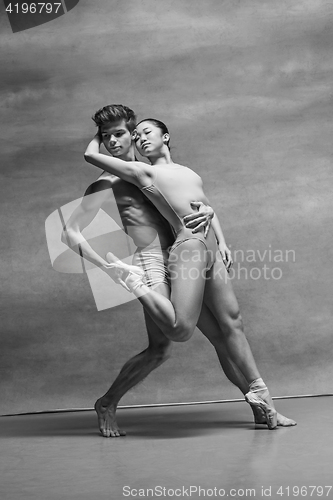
<point x="135" y="172"/>
<point x="215" y="223"/>
<point x="218" y="230"/>
<point x="225" y="252"/>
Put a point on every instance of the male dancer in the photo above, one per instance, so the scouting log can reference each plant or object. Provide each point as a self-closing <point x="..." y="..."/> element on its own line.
<point x="152" y="233"/>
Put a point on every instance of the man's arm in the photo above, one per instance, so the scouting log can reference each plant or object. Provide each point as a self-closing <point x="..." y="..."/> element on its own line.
<point x="225" y="252"/>
<point x="82" y="216"/>
<point x="135" y="172"/>
<point x="201" y="218"/>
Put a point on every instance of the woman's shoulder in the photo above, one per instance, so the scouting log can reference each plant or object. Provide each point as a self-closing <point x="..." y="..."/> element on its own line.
<point x="188" y="169"/>
<point x="145" y="174"/>
<point x="141" y="165"/>
<point x="178" y="165"/>
<point x="183" y="166"/>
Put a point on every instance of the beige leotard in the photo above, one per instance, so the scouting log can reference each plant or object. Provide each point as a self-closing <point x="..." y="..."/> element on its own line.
<point x="171" y="191"/>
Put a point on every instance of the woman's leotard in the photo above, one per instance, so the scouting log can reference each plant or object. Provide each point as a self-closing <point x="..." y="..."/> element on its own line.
<point x="172" y="191"/>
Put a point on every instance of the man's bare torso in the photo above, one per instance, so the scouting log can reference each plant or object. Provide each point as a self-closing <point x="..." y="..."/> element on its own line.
<point x="141" y="220"/>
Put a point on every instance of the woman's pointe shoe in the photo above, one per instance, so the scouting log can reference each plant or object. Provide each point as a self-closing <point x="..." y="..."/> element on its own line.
<point x="259" y="414"/>
<point x="125" y="270"/>
<point x="254" y="400"/>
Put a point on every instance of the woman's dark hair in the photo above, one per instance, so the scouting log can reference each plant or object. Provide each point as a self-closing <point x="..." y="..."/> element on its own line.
<point x="163" y="128"/>
<point x="114" y="113"/>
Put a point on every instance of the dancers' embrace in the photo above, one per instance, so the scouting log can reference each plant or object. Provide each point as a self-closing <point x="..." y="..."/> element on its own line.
<point x="200" y="291"/>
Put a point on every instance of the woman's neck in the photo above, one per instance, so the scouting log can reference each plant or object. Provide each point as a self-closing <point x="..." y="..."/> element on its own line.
<point x="162" y="159"/>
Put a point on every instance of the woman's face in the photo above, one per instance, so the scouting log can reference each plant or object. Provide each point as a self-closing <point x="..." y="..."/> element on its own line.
<point x="149" y="139"/>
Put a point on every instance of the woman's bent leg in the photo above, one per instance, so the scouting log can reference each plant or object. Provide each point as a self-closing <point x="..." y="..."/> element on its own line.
<point x="178" y="316"/>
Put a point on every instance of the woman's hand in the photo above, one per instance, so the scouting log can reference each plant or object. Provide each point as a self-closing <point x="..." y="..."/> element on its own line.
<point x="98" y="138"/>
<point x="199" y="219"/>
<point x="226" y="255"/>
<point x="93" y="146"/>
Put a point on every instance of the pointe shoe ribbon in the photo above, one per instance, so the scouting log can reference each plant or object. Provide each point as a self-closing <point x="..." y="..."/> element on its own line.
<point x="255" y="400"/>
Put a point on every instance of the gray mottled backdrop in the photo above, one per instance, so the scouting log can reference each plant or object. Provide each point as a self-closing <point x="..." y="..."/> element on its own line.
<point x="246" y="89"/>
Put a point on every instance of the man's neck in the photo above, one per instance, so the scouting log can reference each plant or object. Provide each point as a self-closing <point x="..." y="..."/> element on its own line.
<point x="129" y="156"/>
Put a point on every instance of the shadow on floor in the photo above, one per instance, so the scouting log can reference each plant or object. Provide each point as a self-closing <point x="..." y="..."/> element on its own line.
<point x="167" y="422"/>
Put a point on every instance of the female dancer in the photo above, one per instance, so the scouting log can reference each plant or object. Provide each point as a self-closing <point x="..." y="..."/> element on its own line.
<point x="198" y="274"/>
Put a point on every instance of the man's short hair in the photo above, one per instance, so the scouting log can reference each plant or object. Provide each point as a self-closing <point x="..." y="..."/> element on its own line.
<point x="114" y="113"/>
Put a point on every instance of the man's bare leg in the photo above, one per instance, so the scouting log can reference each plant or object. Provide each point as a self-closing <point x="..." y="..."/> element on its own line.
<point x="133" y="372"/>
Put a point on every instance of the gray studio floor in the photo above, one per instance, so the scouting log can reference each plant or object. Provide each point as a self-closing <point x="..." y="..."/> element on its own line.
<point x="62" y="456"/>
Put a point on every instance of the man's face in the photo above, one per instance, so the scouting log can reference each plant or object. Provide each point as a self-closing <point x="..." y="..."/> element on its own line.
<point x="117" y="139"/>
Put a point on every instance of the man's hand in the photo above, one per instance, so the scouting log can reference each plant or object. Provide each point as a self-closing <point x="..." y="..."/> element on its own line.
<point x="226" y="256"/>
<point x="199" y="219"/>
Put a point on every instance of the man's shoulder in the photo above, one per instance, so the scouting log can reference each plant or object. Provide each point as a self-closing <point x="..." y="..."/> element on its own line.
<point x="104" y="182"/>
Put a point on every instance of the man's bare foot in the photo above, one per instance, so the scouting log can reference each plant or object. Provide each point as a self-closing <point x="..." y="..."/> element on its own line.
<point x="107" y="420"/>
